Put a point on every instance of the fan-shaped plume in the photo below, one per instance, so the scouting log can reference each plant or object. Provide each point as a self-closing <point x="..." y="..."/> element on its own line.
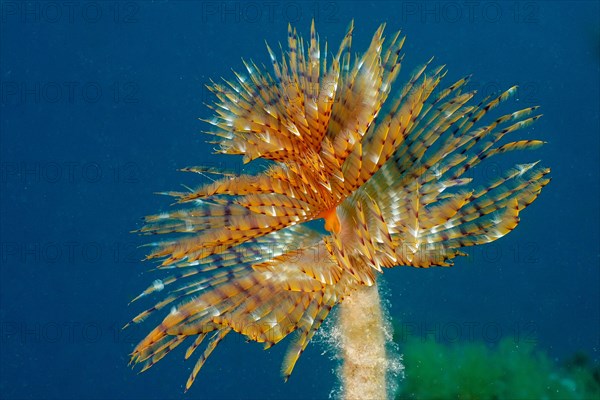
<point x="390" y="185"/>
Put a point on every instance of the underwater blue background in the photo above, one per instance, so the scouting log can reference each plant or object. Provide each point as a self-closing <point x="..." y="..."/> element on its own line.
<point x="99" y="108"/>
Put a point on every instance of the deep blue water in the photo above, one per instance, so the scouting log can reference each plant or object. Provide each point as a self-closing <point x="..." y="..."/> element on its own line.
<point x="99" y="108"/>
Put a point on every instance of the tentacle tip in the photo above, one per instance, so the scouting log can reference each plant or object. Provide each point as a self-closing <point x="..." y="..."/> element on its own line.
<point x="136" y="299"/>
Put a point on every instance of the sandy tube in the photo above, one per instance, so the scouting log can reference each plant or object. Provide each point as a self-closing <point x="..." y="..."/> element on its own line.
<point x="363" y="346"/>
